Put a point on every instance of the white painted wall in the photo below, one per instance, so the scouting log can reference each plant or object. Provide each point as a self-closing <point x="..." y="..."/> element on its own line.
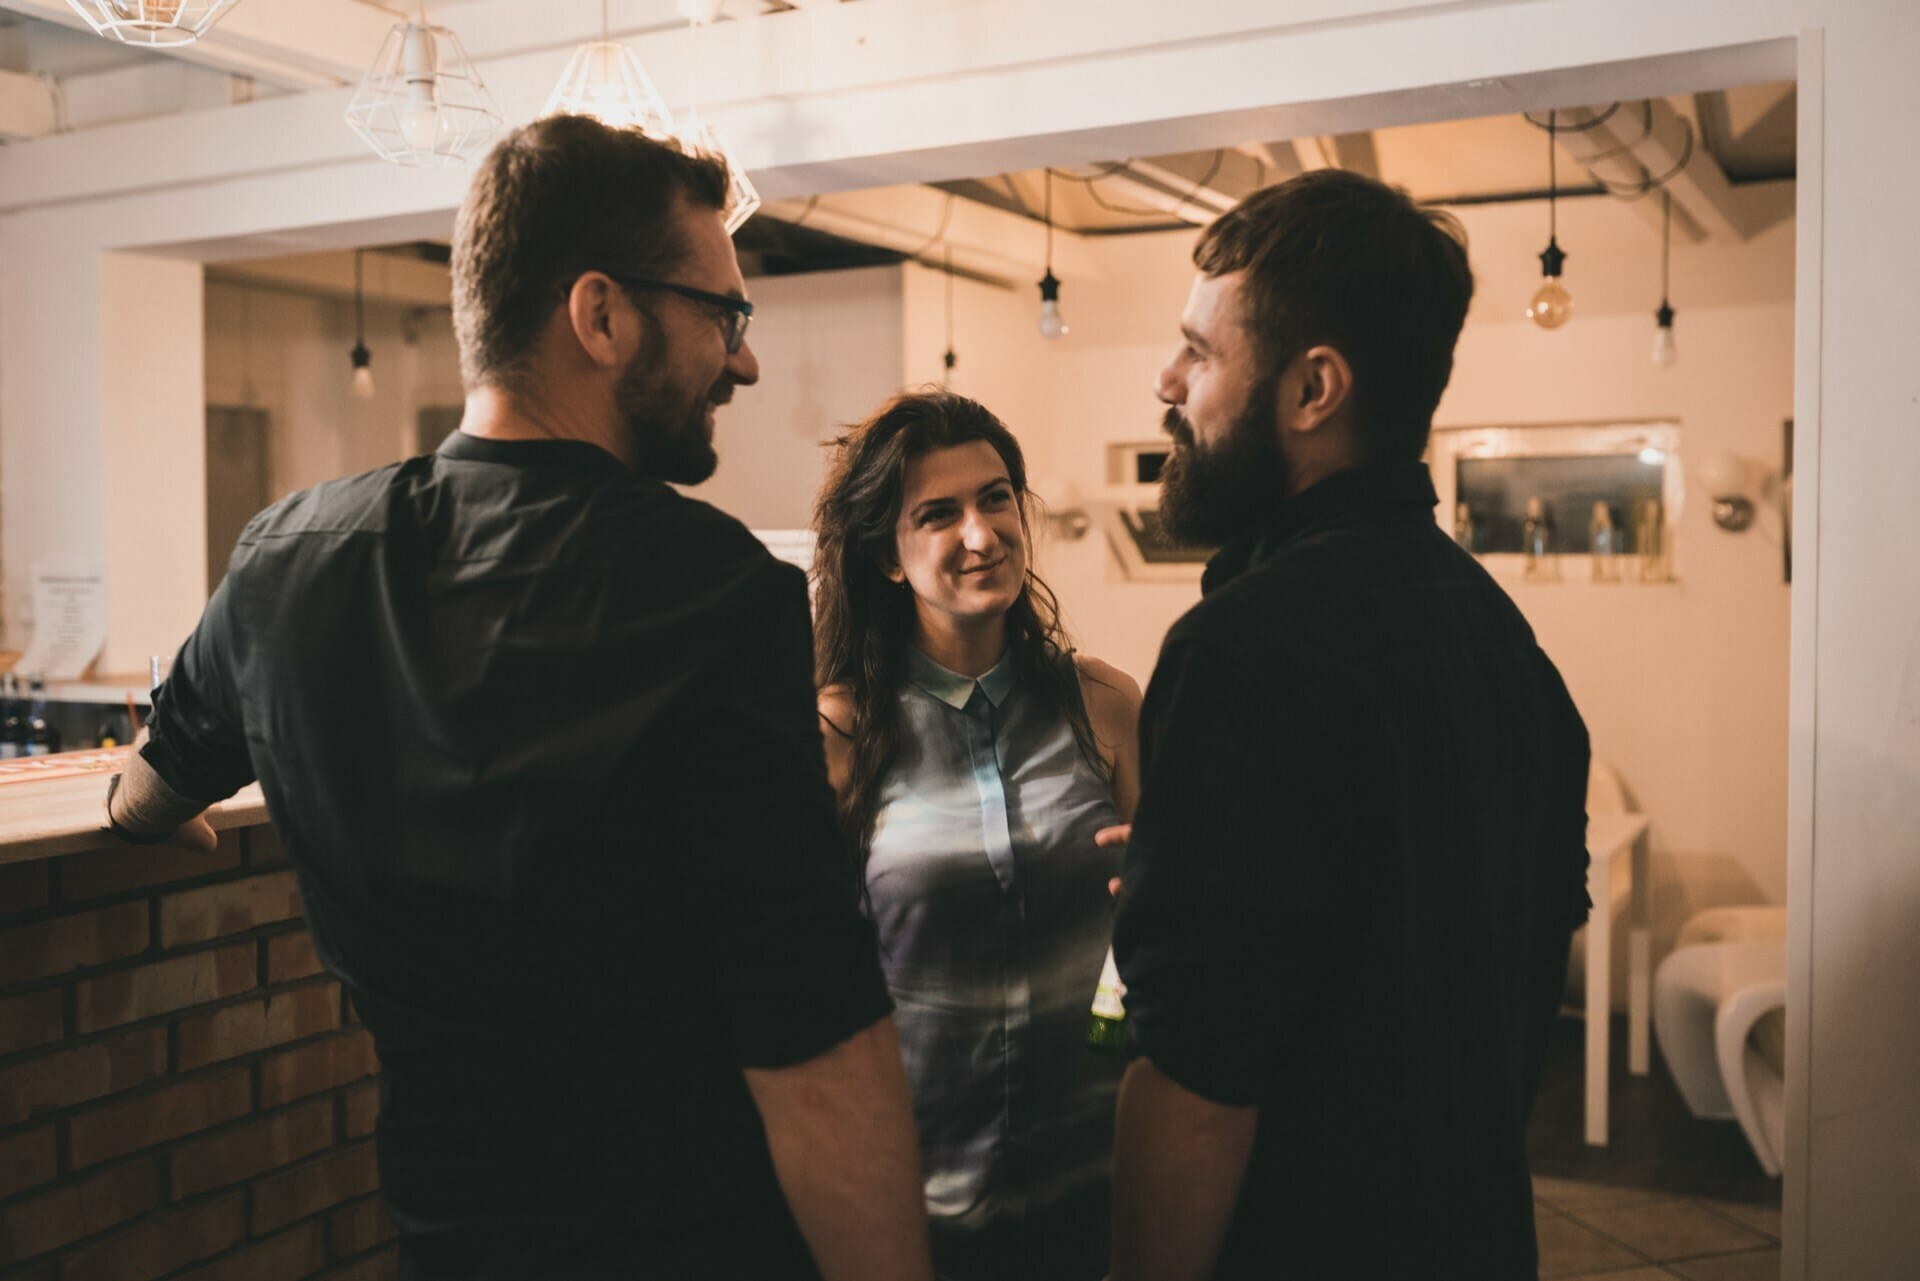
<point x="830" y="349"/>
<point x="287" y="353"/>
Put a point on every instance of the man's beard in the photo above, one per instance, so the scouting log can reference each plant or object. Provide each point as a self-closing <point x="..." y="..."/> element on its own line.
<point x="666" y="428"/>
<point x="1210" y="494"/>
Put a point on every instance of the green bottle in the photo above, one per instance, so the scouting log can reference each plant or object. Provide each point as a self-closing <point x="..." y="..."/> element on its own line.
<point x="1107" y="1026"/>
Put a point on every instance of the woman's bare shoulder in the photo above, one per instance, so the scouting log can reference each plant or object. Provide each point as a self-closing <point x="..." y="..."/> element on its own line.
<point x="835" y="705"/>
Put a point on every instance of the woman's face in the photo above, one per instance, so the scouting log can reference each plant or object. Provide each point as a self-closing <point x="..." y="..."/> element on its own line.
<point x="959" y="543"/>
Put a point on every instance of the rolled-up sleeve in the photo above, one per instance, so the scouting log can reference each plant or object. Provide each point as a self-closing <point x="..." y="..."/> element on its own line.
<point x="196" y="737"/>
<point x="798" y="967"/>
<point x="1230" y="906"/>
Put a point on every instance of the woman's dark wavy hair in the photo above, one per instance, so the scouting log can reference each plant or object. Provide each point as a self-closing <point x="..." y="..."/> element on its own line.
<point x="863" y="621"/>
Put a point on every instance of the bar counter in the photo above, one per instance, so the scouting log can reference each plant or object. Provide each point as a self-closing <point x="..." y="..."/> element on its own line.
<point x="183" y="1089"/>
<point x="42" y="818"/>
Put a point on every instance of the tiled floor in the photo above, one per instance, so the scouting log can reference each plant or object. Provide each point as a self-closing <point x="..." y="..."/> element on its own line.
<point x="1626" y="1234"/>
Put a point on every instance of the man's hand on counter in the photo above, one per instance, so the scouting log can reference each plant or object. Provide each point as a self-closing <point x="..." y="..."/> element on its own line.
<point x="143" y="810"/>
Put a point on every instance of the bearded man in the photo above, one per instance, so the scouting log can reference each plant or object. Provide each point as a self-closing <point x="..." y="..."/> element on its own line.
<point x="1360" y="849"/>
<point x="538" y="735"/>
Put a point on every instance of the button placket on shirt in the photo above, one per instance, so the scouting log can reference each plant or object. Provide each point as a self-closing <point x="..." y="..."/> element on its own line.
<point x="997" y="838"/>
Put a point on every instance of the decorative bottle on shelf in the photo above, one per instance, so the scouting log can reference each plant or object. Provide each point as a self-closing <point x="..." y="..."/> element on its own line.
<point x="1107" y="1026"/>
<point x="1536" y="541"/>
<point x="42" y="738"/>
<point x="1604" y="545"/>
<point x="1463" y="527"/>
<point x="13" y="719"/>
<point x="1650" y="541"/>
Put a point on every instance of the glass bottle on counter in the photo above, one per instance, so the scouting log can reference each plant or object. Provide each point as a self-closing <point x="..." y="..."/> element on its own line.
<point x="13" y="719"/>
<point x="1107" y="1026"/>
<point x="42" y="738"/>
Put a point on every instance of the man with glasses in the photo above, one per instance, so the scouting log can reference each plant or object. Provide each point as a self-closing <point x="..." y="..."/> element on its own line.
<point x="538" y="734"/>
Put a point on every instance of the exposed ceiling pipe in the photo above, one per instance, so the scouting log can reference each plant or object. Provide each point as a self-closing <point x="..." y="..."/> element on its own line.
<point x="1636" y="148"/>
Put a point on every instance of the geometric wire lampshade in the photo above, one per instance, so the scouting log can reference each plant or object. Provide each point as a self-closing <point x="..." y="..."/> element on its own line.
<point x="605" y="80"/>
<point x="423" y="102"/>
<point x="698" y="137"/>
<point x="153" y="23"/>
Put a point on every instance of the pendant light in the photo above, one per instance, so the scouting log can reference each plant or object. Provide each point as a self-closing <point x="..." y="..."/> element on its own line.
<point x="1665" y="352"/>
<point x="1052" y="325"/>
<point x="699" y="138"/>
<point x="361" y="357"/>
<point x="604" y="80"/>
<point x="947" y="359"/>
<point x="1552" y="305"/>
<point x="153" y="24"/>
<point x="423" y="102"/>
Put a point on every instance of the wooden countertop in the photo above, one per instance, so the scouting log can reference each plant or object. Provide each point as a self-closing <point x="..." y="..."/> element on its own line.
<point x="63" y="813"/>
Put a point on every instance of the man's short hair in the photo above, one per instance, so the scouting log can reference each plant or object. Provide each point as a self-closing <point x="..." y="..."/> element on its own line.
<point x="1336" y="258"/>
<point x="556" y="198"/>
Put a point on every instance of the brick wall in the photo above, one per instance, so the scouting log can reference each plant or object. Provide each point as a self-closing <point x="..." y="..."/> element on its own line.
<point x="184" y="1093"/>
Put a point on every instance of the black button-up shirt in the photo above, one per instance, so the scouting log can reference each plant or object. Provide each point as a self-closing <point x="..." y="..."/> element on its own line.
<point x="1358" y="858"/>
<point x="539" y="736"/>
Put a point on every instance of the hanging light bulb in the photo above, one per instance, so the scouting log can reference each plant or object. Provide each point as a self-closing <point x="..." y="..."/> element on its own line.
<point x="155" y="24"/>
<point x="362" y="358"/>
<point x="422" y="101"/>
<point x="1665" y="352"/>
<point x="1551" y="306"/>
<point x="947" y="358"/>
<point x="605" y="80"/>
<point x="1052" y="324"/>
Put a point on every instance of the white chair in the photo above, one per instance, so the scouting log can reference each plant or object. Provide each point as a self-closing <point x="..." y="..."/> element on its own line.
<point x="1718" y="1003"/>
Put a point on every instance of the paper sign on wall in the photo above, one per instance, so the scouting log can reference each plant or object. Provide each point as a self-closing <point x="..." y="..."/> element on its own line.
<point x="69" y="625"/>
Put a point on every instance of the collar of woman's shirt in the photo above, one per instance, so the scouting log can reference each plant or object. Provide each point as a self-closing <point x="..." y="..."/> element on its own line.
<point x="953" y="689"/>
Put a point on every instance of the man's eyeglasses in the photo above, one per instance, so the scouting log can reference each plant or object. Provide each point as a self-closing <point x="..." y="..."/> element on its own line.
<point x="734" y="312"/>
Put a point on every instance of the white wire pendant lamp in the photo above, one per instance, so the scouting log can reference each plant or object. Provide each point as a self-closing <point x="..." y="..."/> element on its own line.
<point x="423" y="102"/>
<point x="154" y="24"/>
<point x="743" y="199"/>
<point x="604" y="80"/>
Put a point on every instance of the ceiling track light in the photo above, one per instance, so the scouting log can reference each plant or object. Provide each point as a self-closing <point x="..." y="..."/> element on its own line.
<point x="422" y="101"/>
<point x="1551" y="306"/>
<point x="152" y="24"/>
<point x="1051" y="325"/>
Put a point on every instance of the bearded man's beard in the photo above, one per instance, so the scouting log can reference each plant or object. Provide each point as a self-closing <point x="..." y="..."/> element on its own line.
<point x="1210" y="494"/>
<point x="666" y="427"/>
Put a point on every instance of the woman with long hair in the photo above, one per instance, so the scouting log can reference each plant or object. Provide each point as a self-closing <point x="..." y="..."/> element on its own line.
<point x="975" y="758"/>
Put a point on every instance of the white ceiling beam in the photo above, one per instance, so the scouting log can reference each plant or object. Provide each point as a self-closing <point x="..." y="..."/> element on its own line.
<point x="1642" y="140"/>
<point x="924" y="223"/>
<point x="914" y="91"/>
<point x="1279" y="159"/>
<point x="1183" y="193"/>
<point x="1316" y="153"/>
<point x="297" y="44"/>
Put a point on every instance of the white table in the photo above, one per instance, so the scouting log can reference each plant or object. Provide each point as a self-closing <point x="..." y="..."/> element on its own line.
<point x="1608" y="837"/>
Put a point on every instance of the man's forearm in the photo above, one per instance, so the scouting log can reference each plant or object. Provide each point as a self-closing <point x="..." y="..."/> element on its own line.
<point x="841" y="1130"/>
<point x="1178" y="1162"/>
<point x="143" y="805"/>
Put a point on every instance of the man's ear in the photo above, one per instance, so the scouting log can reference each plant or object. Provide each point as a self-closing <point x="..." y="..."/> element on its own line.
<point x="1316" y="387"/>
<point x="599" y="312"/>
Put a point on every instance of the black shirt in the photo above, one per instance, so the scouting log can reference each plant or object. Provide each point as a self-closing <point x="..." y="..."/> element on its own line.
<point x="1358" y="857"/>
<point x="539" y="737"/>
